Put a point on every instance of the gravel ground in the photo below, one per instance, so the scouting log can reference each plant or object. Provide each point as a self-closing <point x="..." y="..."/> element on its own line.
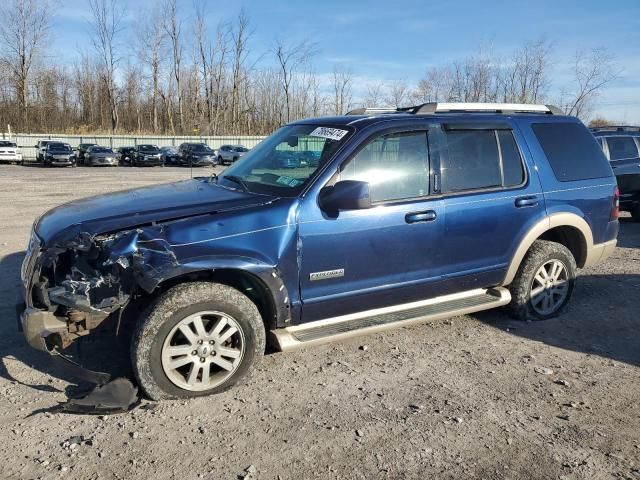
<point x="475" y="396"/>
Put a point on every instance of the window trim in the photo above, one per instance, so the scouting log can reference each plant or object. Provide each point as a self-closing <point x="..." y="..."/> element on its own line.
<point x="633" y="138"/>
<point x="502" y="188"/>
<point x="392" y="131"/>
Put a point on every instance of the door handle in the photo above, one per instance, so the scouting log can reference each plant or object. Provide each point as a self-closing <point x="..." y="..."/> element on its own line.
<point x="527" y="201"/>
<point x="415" y="217"/>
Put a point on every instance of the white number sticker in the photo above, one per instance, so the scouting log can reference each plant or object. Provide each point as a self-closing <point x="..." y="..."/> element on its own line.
<point x="330" y="133"/>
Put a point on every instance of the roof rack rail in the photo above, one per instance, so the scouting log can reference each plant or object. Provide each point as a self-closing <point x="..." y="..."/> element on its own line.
<point x="439" y="107"/>
<point x="616" y="128"/>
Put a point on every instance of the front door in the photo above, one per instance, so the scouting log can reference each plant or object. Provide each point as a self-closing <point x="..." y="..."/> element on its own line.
<point x="383" y="256"/>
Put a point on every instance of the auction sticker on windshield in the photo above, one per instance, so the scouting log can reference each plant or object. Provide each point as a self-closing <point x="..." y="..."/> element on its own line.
<point x="330" y="133"/>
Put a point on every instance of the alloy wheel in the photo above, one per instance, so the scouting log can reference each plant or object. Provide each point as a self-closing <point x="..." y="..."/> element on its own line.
<point x="550" y="287"/>
<point x="203" y="350"/>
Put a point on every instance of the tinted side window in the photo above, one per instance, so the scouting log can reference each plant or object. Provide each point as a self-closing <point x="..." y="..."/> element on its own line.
<point x="473" y="161"/>
<point x="395" y="166"/>
<point x="572" y="151"/>
<point x="621" y="148"/>
<point x="512" y="168"/>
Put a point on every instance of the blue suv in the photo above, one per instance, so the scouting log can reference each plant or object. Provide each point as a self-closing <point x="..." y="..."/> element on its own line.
<point x="408" y="215"/>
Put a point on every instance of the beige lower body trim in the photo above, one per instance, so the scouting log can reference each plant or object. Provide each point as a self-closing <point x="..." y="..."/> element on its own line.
<point x="286" y="340"/>
<point x="600" y="252"/>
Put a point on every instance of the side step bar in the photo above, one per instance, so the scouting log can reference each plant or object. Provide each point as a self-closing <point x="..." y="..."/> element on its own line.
<point x="361" y="323"/>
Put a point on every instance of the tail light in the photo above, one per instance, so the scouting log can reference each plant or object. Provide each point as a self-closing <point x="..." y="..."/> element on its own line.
<point x="615" y="209"/>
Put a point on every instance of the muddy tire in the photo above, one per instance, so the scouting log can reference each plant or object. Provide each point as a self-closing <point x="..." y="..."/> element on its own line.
<point x="544" y="282"/>
<point x="198" y="339"/>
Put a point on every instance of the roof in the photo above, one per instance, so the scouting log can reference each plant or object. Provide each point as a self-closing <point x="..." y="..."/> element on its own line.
<point x="362" y="117"/>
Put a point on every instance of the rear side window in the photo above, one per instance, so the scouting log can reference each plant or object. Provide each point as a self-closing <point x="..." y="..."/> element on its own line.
<point x="572" y="151"/>
<point x="621" y="148"/>
<point x="480" y="159"/>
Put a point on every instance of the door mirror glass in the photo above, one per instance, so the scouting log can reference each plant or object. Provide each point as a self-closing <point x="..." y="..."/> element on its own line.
<point x="345" y="195"/>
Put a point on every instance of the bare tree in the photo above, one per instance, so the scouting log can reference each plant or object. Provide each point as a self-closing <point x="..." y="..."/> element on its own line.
<point x="173" y="29"/>
<point x="151" y="42"/>
<point x="240" y="35"/>
<point x="397" y="94"/>
<point x="375" y="95"/>
<point x="592" y="72"/>
<point x="23" y="30"/>
<point x="290" y="58"/>
<point x="106" y="25"/>
<point x="342" y="94"/>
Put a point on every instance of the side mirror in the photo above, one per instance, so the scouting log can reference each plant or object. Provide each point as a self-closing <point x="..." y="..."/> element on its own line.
<point x="345" y="195"/>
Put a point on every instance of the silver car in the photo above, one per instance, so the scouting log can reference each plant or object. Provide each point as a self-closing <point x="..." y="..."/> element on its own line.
<point x="230" y="153"/>
<point x="100" y="156"/>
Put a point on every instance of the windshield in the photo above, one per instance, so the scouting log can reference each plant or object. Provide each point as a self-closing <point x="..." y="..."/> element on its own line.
<point x="101" y="150"/>
<point x="148" y="148"/>
<point x="239" y="149"/>
<point x="283" y="163"/>
<point x="59" y="147"/>
<point x="7" y="144"/>
<point x="199" y="148"/>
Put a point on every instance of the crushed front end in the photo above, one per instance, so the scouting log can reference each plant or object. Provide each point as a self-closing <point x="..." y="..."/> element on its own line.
<point x="72" y="289"/>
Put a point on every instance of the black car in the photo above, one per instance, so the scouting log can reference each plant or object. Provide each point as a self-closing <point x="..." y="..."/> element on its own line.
<point x="58" y="154"/>
<point x="147" y="155"/>
<point x="621" y="145"/>
<point x="125" y="155"/>
<point x="81" y="152"/>
<point x="196" y="155"/>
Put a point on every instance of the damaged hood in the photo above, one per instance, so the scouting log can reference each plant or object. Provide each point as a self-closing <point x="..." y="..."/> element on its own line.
<point x="130" y="208"/>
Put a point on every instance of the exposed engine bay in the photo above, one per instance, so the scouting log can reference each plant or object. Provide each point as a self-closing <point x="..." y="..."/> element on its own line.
<point x="94" y="277"/>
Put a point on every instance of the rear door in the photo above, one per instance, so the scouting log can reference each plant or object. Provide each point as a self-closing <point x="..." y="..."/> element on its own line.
<point x="491" y="197"/>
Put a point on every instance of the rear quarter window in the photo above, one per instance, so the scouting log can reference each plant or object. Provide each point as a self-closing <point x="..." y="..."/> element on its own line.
<point x="572" y="151"/>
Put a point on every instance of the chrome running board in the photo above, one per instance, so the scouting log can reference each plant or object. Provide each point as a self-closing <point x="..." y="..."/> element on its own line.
<point x="361" y="323"/>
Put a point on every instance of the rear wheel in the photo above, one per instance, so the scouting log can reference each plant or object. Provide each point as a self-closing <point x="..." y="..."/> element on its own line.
<point x="199" y="338"/>
<point x="544" y="283"/>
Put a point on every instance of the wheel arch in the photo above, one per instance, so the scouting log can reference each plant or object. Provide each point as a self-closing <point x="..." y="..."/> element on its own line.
<point x="568" y="229"/>
<point x="263" y="286"/>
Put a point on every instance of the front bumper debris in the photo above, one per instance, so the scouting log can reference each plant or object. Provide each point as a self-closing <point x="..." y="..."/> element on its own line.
<point x="37" y="324"/>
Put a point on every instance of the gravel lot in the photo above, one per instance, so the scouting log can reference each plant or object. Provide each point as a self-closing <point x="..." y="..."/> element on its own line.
<point x="458" y="398"/>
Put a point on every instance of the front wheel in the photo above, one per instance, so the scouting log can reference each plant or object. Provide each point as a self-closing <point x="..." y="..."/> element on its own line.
<point x="198" y="339"/>
<point x="544" y="283"/>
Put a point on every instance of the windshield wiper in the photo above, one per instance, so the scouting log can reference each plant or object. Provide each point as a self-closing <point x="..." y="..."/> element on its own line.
<point x="238" y="180"/>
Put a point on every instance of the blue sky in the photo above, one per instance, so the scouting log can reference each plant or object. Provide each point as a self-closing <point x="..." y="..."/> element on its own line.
<point x="398" y="40"/>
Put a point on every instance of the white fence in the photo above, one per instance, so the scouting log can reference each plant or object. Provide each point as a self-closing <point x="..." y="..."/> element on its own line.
<point x="27" y="141"/>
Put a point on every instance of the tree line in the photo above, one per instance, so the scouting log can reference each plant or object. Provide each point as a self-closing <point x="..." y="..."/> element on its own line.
<point x="175" y="75"/>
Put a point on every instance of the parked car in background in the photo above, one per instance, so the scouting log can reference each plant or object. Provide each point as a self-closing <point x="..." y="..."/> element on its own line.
<point x="81" y="152"/>
<point x="621" y="145"/>
<point x="227" y="154"/>
<point x="59" y="154"/>
<point x="9" y="152"/>
<point x="196" y="155"/>
<point x="125" y="155"/>
<point x="100" y="156"/>
<point x="41" y="147"/>
<point x="417" y="214"/>
<point x="147" y="156"/>
<point x="170" y="155"/>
